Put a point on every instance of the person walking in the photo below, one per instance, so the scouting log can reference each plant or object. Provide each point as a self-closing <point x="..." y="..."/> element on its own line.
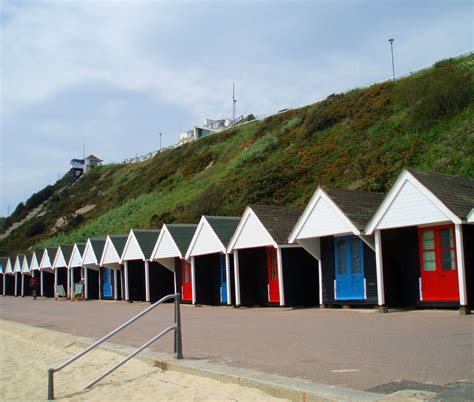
<point x="34" y="287"/>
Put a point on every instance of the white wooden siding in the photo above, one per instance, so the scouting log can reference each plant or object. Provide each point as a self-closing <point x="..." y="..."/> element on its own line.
<point x="205" y="241"/>
<point x="45" y="261"/>
<point x="25" y="267"/>
<point x="410" y="207"/>
<point x="9" y="267"/>
<point x="132" y="250"/>
<point x="59" y="261"/>
<point x="17" y="267"/>
<point x="252" y="233"/>
<point x="109" y="255"/>
<point x="76" y="258"/>
<point x="323" y="221"/>
<point x="89" y="257"/>
<point x="34" y="263"/>
<point x="165" y="247"/>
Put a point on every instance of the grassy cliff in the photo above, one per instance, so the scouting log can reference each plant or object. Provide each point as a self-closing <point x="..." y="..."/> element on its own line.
<point x="361" y="139"/>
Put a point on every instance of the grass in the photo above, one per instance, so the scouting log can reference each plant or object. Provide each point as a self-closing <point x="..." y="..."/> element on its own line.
<point x="361" y="139"/>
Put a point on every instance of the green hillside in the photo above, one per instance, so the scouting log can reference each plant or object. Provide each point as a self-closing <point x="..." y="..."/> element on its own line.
<point x="361" y="139"/>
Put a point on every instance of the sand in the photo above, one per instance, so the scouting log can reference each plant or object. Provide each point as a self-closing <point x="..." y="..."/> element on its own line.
<point x="27" y="352"/>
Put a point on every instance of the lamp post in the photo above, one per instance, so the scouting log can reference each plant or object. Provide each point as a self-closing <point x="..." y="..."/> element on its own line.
<point x="160" y="140"/>
<point x="393" y="64"/>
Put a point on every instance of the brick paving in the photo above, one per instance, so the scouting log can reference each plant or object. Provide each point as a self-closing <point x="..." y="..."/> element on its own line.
<point x="359" y="349"/>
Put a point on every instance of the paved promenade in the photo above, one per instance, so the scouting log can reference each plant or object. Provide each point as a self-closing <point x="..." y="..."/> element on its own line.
<point x="359" y="349"/>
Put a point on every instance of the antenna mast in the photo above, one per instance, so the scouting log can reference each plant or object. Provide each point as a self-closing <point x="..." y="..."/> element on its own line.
<point x="234" y="101"/>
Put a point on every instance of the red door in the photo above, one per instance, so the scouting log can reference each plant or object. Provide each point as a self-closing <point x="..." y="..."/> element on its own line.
<point x="186" y="284"/>
<point x="273" y="285"/>
<point x="439" y="274"/>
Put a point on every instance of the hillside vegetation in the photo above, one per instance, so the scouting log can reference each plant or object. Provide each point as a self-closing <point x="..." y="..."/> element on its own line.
<point x="361" y="139"/>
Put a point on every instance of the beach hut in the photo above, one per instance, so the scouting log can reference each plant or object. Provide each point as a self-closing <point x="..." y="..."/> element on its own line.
<point x="332" y="230"/>
<point x="9" y="278"/>
<point x="268" y="270"/>
<point x="46" y="271"/>
<point x="111" y="268"/>
<point x="60" y="266"/>
<point x="424" y="244"/>
<point x="35" y="260"/>
<point x="145" y="280"/>
<point x="211" y="266"/>
<point x="170" y="250"/>
<point x="26" y="275"/>
<point x="90" y="264"/>
<point x="18" y="275"/>
<point x="3" y="267"/>
<point x="75" y="266"/>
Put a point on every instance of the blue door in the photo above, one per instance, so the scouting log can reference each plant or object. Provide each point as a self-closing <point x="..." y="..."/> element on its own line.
<point x="349" y="268"/>
<point x="107" y="282"/>
<point x="223" y="281"/>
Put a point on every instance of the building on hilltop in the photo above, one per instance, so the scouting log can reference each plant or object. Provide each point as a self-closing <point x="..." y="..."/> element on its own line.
<point x="81" y="166"/>
<point x="209" y="127"/>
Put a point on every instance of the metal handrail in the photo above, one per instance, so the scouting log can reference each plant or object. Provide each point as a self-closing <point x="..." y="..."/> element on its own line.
<point x="178" y="346"/>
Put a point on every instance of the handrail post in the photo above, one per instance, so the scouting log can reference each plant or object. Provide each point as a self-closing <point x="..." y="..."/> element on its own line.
<point x="178" y="345"/>
<point x="50" y="384"/>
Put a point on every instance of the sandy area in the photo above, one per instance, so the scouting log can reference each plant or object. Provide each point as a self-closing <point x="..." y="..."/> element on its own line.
<point x="27" y="352"/>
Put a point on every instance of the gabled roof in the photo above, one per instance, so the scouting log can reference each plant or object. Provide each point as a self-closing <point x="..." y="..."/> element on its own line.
<point x="8" y="268"/>
<point x="26" y="263"/>
<point x="182" y="235"/>
<point x="93" y="251"/>
<point x="75" y="260"/>
<point x="113" y="249"/>
<point x="422" y="198"/>
<point x="35" y="259"/>
<point x="63" y="254"/>
<point x="263" y="226"/>
<point x="18" y="262"/>
<point x="333" y="211"/>
<point x="358" y="206"/>
<point x="456" y="192"/>
<point x="139" y="245"/>
<point x="223" y="226"/>
<point x="279" y="221"/>
<point x="3" y="264"/>
<point x="173" y="241"/>
<point x="48" y="256"/>
<point x="212" y="235"/>
<point x="93" y="158"/>
<point x="119" y="242"/>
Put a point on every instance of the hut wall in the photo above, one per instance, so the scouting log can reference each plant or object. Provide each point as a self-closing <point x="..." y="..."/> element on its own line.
<point x="9" y="285"/>
<point x="401" y="266"/>
<point x="92" y="284"/>
<point x="48" y="284"/>
<point x="208" y="279"/>
<point x="253" y="274"/>
<point x="136" y="280"/>
<point x="300" y="277"/>
<point x="161" y="282"/>
<point x="468" y="240"/>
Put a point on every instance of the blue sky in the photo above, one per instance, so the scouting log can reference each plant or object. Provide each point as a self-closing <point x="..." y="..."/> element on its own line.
<point x="116" y="73"/>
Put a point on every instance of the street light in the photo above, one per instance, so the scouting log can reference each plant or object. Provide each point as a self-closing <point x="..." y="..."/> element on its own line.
<point x="393" y="64"/>
<point x="160" y="140"/>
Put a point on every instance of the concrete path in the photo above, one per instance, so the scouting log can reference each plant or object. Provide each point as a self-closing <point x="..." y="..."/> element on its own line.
<point x="362" y="349"/>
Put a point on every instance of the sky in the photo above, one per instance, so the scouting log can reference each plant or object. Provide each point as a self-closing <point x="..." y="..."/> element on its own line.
<point x="117" y="73"/>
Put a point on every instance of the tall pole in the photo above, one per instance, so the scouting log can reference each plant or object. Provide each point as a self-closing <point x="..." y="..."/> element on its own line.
<point x="160" y="140"/>
<point x="233" y="102"/>
<point x="393" y="64"/>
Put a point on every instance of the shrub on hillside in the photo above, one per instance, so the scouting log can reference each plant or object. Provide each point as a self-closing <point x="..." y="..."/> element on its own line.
<point x="36" y="228"/>
<point x="442" y="91"/>
<point x="37" y="198"/>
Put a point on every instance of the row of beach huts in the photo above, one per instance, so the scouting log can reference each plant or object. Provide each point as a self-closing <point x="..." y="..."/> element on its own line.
<point x="412" y="247"/>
